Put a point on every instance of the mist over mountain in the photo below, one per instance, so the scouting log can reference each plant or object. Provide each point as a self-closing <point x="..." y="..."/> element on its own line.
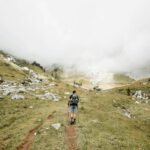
<point x="95" y="36"/>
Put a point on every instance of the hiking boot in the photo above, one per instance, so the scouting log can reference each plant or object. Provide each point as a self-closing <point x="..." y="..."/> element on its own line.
<point x="74" y="120"/>
<point x="71" y="120"/>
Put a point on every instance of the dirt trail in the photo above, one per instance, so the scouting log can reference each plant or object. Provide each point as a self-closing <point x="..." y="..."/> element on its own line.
<point x="28" y="139"/>
<point x="71" y="137"/>
<point x="31" y="134"/>
<point x="71" y="141"/>
<point x="2" y="143"/>
<point x="70" y="132"/>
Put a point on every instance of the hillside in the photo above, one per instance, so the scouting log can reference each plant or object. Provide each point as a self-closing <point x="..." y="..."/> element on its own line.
<point x="122" y="78"/>
<point x="106" y="120"/>
<point x="12" y="68"/>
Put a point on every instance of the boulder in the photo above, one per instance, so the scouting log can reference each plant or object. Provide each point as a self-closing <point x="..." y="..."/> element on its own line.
<point x="56" y="125"/>
<point x="17" y="97"/>
<point x="140" y="96"/>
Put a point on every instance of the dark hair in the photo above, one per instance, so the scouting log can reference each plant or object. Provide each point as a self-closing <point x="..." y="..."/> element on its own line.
<point x="74" y="92"/>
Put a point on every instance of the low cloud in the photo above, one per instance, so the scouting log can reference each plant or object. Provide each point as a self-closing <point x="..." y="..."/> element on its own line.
<point x="109" y="36"/>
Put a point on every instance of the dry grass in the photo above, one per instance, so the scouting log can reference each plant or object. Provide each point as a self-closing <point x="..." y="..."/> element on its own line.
<point x="100" y="123"/>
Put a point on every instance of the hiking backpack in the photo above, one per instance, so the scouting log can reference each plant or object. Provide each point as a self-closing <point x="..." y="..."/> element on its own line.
<point x="73" y="99"/>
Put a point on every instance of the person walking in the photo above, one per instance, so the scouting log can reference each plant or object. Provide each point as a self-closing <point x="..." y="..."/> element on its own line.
<point x="73" y="106"/>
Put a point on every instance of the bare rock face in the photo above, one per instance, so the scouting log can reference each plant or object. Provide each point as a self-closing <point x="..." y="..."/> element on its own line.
<point x="140" y="97"/>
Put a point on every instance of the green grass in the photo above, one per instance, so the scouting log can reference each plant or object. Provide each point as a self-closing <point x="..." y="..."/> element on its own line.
<point x="10" y="73"/>
<point x="102" y="126"/>
<point x="122" y="78"/>
<point x="100" y="123"/>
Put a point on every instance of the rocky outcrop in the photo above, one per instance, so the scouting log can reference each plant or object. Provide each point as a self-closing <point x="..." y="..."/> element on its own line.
<point x="140" y="97"/>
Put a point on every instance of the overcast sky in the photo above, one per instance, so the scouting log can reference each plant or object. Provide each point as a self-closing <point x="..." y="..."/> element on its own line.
<point x="107" y="35"/>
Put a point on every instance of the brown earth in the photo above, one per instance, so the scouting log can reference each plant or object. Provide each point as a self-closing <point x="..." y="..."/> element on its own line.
<point x="31" y="134"/>
<point x="70" y="132"/>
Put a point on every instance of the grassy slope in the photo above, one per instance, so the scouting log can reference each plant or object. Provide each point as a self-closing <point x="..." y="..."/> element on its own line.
<point x="122" y="78"/>
<point x="101" y="124"/>
<point x="10" y="73"/>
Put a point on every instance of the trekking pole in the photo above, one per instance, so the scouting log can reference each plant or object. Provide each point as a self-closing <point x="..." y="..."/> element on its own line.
<point x="78" y="113"/>
<point x="69" y="113"/>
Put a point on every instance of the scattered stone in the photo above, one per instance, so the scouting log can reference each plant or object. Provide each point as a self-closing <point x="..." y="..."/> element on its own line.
<point x="12" y="59"/>
<point x="137" y="102"/>
<point x="95" y="121"/>
<point x="126" y="112"/>
<point x="33" y="74"/>
<point x="67" y="93"/>
<point x="30" y="107"/>
<point x="6" y="93"/>
<point x="77" y="84"/>
<point x="56" y="126"/>
<point x="17" y="97"/>
<point x="27" y="82"/>
<point x="21" y="90"/>
<point x="11" y="89"/>
<point x="25" y="69"/>
<point x="49" y="96"/>
<point x="39" y="120"/>
<point x="140" y="97"/>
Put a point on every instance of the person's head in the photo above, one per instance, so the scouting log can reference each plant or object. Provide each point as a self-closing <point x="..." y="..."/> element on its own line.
<point x="74" y="92"/>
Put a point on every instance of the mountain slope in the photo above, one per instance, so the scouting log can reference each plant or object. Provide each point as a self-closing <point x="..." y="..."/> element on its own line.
<point x="12" y="68"/>
<point x="106" y="120"/>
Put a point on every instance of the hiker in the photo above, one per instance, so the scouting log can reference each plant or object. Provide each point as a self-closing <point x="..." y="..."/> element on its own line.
<point x="73" y="106"/>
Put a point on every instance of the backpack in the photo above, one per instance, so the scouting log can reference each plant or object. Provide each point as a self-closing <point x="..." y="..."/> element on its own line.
<point x="74" y="99"/>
